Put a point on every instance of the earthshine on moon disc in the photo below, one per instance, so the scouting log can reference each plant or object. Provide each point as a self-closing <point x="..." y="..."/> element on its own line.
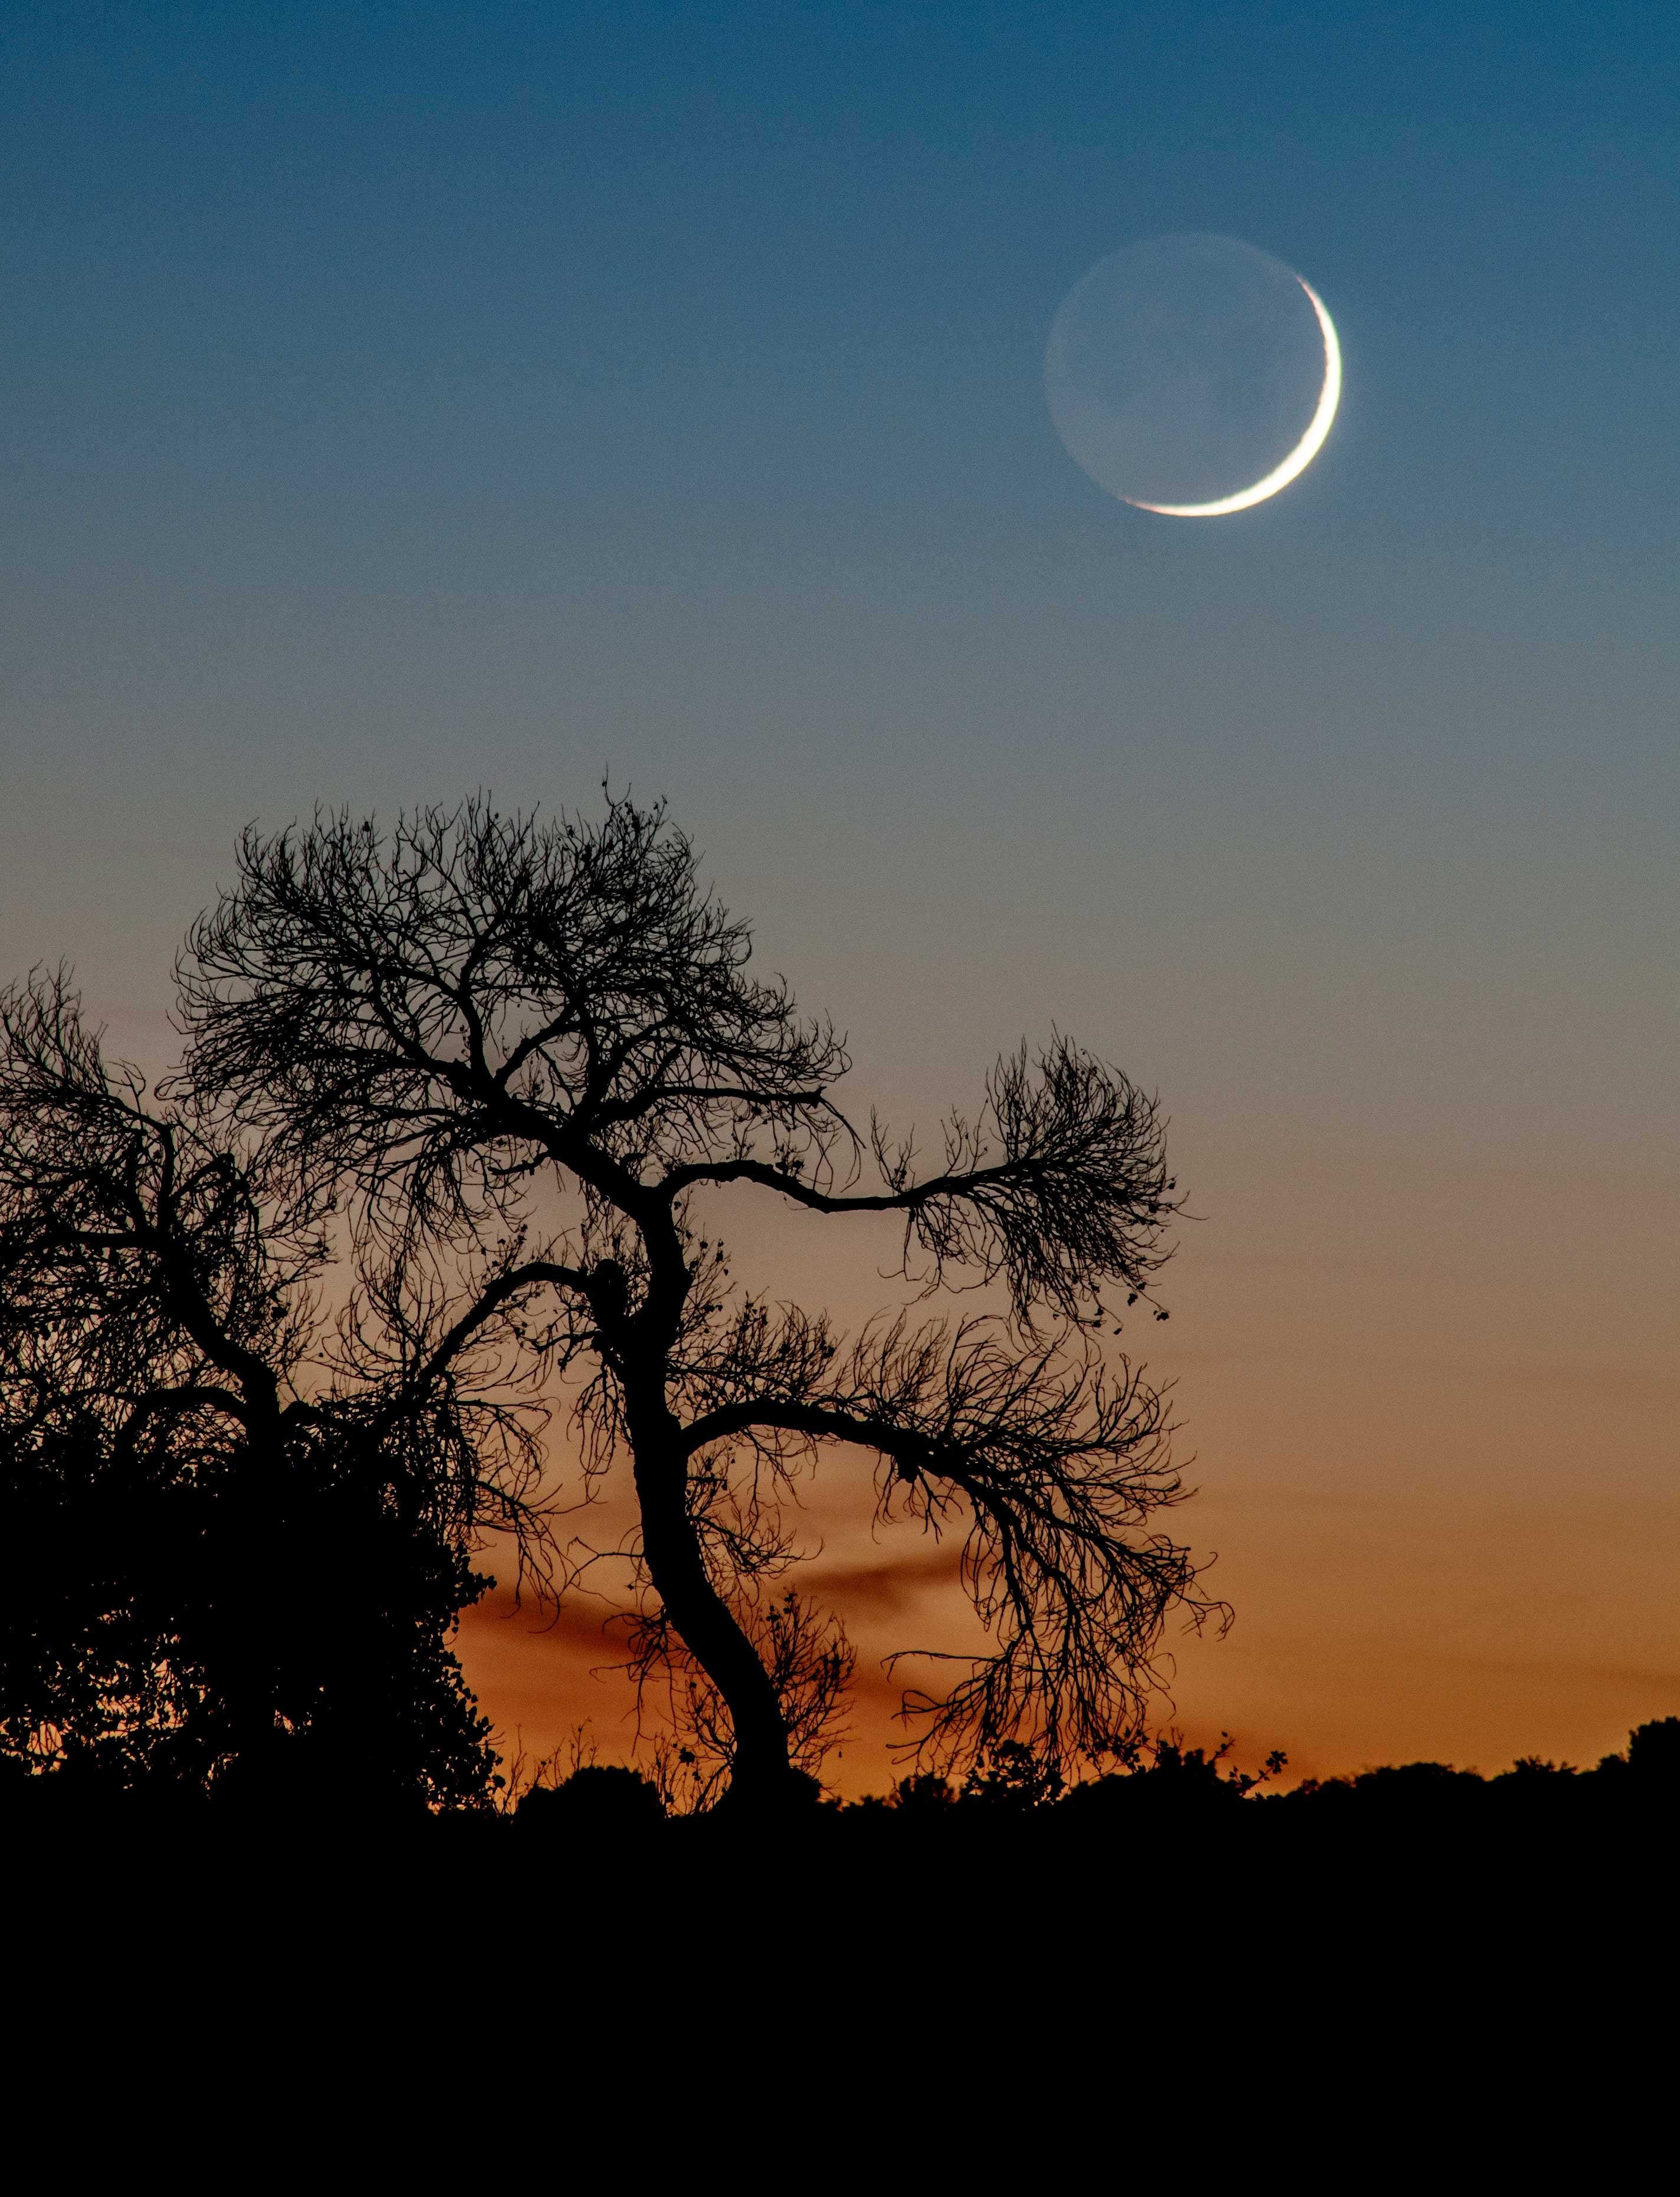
<point x="1192" y="375"/>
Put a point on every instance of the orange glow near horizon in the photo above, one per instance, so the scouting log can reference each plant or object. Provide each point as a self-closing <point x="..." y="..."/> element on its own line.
<point x="1442" y="1512"/>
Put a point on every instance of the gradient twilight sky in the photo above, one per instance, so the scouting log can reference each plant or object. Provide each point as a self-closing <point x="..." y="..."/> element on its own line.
<point x="399" y="398"/>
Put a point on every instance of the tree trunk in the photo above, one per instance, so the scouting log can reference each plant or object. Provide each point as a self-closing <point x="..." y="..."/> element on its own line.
<point x="761" y="1777"/>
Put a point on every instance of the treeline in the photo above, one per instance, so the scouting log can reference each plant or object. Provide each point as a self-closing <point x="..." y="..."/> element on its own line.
<point x="1165" y="1789"/>
<point x="1168" y="1779"/>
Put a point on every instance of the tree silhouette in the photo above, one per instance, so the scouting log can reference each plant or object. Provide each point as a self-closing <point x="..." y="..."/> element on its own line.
<point x="523" y="1051"/>
<point x="228" y="1558"/>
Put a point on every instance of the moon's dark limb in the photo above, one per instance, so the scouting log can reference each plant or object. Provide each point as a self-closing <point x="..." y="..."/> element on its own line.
<point x="1182" y="370"/>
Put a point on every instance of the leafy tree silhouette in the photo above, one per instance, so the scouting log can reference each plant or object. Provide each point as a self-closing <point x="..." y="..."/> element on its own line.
<point x="521" y="1052"/>
<point x="229" y="1560"/>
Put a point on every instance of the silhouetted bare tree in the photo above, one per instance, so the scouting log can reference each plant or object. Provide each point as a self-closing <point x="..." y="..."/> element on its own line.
<point x="453" y="1021"/>
<point x="219" y="1539"/>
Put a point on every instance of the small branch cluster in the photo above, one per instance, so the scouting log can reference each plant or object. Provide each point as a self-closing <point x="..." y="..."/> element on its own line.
<point x="1059" y="1189"/>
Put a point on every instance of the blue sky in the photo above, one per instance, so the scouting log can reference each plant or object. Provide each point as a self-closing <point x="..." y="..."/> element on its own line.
<point x="571" y="329"/>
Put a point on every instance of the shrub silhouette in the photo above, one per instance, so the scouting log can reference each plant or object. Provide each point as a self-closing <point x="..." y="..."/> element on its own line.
<point x="1654" y="1756"/>
<point x="600" y="1798"/>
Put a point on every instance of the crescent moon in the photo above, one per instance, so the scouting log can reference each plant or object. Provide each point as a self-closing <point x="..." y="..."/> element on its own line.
<point x="1305" y="450"/>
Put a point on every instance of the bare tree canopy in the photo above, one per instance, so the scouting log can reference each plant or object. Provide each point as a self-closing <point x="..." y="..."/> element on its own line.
<point x="524" y="1049"/>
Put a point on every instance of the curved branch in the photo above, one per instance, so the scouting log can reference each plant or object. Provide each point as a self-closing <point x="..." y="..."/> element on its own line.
<point x="488" y="1304"/>
<point x="819" y="1423"/>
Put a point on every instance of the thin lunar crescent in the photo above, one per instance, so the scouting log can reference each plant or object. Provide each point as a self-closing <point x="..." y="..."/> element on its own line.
<point x="1299" y="458"/>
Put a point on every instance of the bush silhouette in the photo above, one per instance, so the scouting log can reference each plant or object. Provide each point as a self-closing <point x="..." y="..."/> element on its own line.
<point x="1653" y="1755"/>
<point x="600" y="1797"/>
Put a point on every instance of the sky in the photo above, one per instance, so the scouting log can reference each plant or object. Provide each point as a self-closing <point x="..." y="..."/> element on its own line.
<point x="396" y="400"/>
